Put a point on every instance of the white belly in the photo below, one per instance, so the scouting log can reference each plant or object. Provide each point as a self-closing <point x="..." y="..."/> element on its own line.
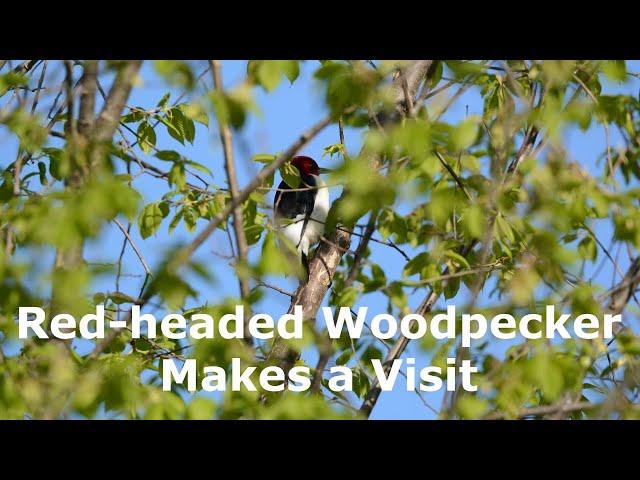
<point x="292" y="228"/>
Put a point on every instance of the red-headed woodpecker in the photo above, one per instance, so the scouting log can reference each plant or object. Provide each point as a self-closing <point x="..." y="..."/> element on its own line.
<point x="300" y="212"/>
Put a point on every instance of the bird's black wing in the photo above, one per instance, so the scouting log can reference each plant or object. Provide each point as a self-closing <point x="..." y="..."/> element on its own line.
<point x="290" y="204"/>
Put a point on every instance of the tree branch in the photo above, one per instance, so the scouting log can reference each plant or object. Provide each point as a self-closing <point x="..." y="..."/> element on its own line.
<point x="238" y="223"/>
<point x="545" y="410"/>
<point x="329" y="254"/>
<point x="88" y="84"/>
<point x="623" y="291"/>
<point x="109" y="117"/>
<point x="133" y="245"/>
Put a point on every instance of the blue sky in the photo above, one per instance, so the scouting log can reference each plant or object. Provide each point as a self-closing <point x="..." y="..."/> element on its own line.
<point x="286" y="112"/>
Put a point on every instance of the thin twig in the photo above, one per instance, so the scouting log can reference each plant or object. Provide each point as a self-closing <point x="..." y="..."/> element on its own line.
<point x="261" y="283"/>
<point x="461" y="273"/>
<point x="604" y="123"/>
<point x="453" y="174"/>
<point x="133" y="245"/>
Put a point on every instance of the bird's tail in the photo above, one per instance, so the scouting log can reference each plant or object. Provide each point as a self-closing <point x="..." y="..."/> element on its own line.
<point x="305" y="265"/>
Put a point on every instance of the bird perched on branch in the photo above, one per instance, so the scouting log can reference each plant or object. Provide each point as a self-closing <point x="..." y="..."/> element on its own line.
<point x="300" y="213"/>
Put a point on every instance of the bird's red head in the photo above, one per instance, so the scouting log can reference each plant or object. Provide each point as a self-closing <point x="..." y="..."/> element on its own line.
<point x="306" y="165"/>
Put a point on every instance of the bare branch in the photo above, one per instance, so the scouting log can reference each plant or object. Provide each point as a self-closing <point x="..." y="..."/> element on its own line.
<point x="238" y="223"/>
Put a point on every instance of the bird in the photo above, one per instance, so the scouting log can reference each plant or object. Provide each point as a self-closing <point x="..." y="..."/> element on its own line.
<point x="300" y="213"/>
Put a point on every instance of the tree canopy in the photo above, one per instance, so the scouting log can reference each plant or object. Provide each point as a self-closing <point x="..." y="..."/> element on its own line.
<point x="488" y="209"/>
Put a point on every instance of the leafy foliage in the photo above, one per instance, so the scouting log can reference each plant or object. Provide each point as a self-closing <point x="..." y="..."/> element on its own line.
<point x="544" y="228"/>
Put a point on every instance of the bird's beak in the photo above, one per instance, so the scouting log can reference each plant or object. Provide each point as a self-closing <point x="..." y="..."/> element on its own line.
<point x="325" y="170"/>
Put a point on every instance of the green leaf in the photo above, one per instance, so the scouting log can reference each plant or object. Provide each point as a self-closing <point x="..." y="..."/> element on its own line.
<point x="462" y="68"/>
<point x="348" y="86"/>
<point x="177" y="176"/>
<point x="120" y="298"/>
<point x="334" y="149"/>
<point x="263" y="158"/>
<point x="151" y="217"/>
<point x="173" y="406"/>
<point x="291" y="69"/>
<point x="347" y="297"/>
<point x="11" y="80"/>
<point x="42" y="171"/>
<point x="471" y="407"/>
<point x="473" y="221"/>
<point x="459" y="259"/>
<point x="268" y="181"/>
<point x="437" y="74"/>
<point x="274" y="259"/>
<point x="168" y="155"/>
<point x="199" y="167"/>
<point x="201" y="408"/>
<point x="504" y="229"/>
<point x="176" y="124"/>
<point x="28" y="128"/>
<point x="189" y="130"/>
<point x="290" y="175"/>
<point x="378" y="281"/>
<point x="133" y="116"/>
<point x="470" y="162"/>
<point x="267" y="73"/>
<point x="252" y="233"/>
<point x="142" y="345"/>
<point x="146" y="137"/>
<point x="451" y="288"/>
<point x="195" y="112"/>
<point x="344" y="357"/>
<point x="175" y="221"/>
<point x="588" y="249"/>
<point x="397" y="295"/>
<point x="190" y="217"/>
<point x="163" y="101"/>
<point x="547" y="373"/>
<point x="231" y="107"/>
<point x="615" y="70"/>
<point x="176" y="72"/>
<point x="464" y="134"/>
<point x="360" y="382"/>
<point x="416" y="264"/>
